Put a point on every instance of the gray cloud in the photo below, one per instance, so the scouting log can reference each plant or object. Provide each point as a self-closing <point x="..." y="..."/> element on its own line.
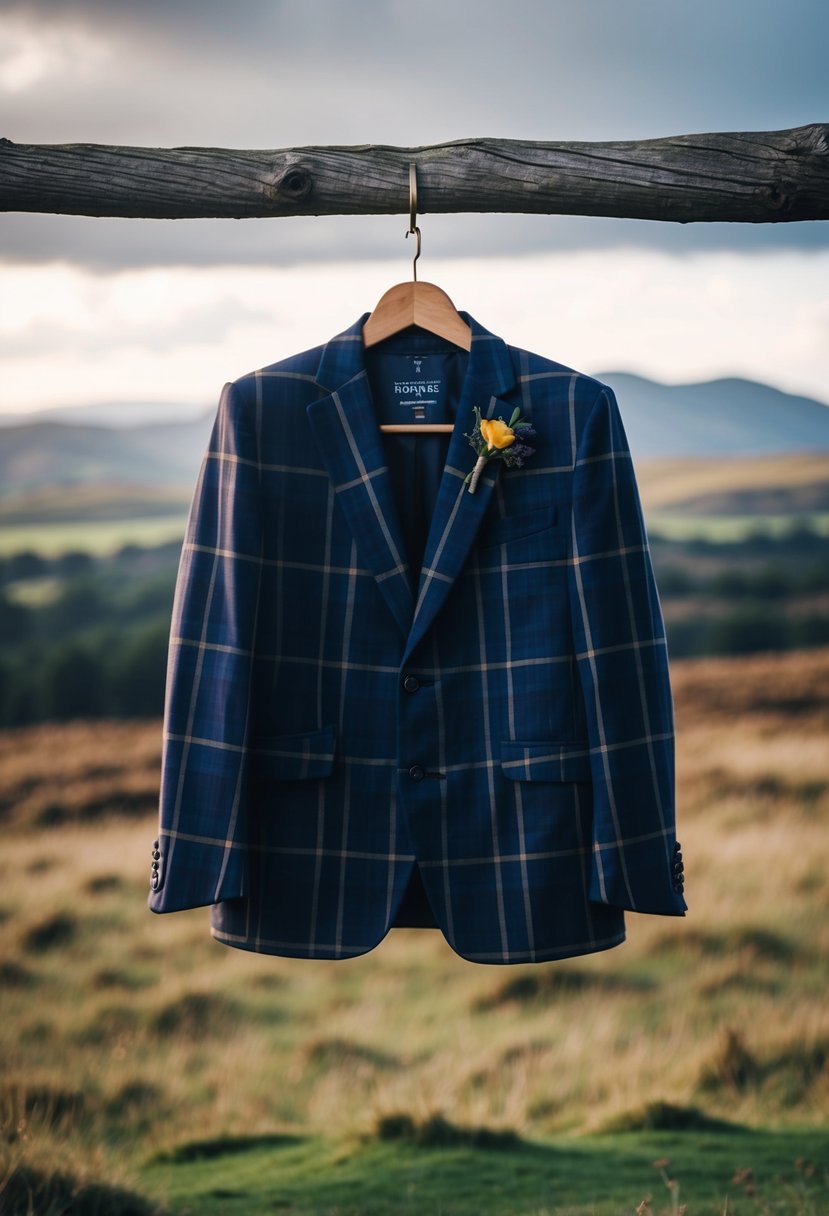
<point x="208" y="323"/>
<point x="108" y="245"/>
<point x="274" y="74"/>
<point x="269" y="74"/>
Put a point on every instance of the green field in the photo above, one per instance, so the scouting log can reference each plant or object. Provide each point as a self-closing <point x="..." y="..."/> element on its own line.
<point x="146" y="1067"/>
<point x="721" y="528"/>
<point x="53" y="537"/>
<point x="108" y="536"/>
<point x="737" y="1170"/>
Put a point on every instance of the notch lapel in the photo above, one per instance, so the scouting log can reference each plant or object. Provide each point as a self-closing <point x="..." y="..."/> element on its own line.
<point x="348" y="434"/>
<point x="350" y="441"/>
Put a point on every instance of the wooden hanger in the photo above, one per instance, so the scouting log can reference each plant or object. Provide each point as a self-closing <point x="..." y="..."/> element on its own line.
<point x="420" y="304"/>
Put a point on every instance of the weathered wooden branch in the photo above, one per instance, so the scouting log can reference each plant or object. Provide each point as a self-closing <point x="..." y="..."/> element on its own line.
<point x="751" y="177"/>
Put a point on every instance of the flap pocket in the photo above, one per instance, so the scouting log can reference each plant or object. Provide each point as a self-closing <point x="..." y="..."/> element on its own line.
<point x="310" y="753"/>
<point x="496" y="531"/>
<point x="556" y="761"/>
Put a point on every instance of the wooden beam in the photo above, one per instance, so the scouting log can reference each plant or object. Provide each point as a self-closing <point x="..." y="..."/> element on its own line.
<point x="754" y="177"/>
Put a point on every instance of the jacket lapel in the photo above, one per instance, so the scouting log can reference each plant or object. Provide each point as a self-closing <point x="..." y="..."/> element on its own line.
<point x="458" y="514"/>
<point x="351" y="444"/>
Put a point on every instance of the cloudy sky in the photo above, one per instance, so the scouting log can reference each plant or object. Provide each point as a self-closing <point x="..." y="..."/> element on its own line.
<point x="116" y="310"/>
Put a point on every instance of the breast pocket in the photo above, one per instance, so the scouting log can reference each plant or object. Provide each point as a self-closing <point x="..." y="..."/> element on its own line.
<point x="294" y="757"/>
<point x="514" y="527"/>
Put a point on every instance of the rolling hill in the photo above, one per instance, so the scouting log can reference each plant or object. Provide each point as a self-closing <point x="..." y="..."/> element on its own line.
<point x="730" y="417"/>
<point x="723" y="421"/>
<point x="37" y="456"/>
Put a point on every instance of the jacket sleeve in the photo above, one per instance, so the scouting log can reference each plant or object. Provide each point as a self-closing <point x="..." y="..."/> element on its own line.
<point x="200" y="856"/>
<point x="622" y="662"/>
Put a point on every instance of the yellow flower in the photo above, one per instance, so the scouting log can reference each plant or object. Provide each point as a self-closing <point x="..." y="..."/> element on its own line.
<point x="496" y="433"/>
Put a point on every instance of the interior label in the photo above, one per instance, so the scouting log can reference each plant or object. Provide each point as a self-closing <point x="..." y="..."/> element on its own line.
<point x="415" y="389"/>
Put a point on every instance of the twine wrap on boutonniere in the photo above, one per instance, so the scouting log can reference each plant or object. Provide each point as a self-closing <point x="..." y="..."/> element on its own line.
<point x="494" y="439"/>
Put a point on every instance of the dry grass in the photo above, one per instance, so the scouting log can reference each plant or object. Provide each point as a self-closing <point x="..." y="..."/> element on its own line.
<point x="667" y="482"/>
<point x="789" y="684"/>
<point x="123" y="1029"/>
<point x="78" y="771"/>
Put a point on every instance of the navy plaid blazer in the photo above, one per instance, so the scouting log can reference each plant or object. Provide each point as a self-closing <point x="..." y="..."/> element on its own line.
<point x="391" y="701"/>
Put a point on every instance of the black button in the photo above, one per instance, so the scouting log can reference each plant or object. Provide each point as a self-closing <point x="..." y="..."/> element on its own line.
<point x="417" y="772"/>
<point x="156" y="854"/>
<point x="411" y="684"/>
<point x="154" y="880"/>
<point x="155" y="866"/>
<point x="155" y="844"/>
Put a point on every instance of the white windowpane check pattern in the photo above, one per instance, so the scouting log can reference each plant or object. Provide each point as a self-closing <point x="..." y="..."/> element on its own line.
<point x="491" y="713"/>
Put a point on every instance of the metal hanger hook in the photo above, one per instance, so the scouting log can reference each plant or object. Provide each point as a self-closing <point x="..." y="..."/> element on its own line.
<point x="413" y="228"/>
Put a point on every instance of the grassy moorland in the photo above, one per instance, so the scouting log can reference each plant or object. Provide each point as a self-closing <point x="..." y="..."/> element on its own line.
<point x="147" y="1068"/>
<point x="722" y="498"/>
<point x="796" y="479"/>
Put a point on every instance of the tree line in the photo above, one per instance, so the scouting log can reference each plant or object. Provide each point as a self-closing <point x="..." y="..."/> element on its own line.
<point x="86" y="636"/>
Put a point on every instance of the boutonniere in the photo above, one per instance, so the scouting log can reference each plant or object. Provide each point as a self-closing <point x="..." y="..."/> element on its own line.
<point x="494" y="439"/>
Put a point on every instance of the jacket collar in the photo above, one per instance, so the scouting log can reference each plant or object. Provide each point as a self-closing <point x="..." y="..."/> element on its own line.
<point x="490" y="365"/>
<point x="351" y="444"/>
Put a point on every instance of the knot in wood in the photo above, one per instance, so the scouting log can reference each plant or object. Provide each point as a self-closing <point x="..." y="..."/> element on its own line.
<point x="780" y="197"/>
<point x="296" y="183"/>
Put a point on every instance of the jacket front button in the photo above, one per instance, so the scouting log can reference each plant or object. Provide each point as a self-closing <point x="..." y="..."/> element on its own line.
<point x="411" y="684"/>
<point x="417" y="772"/>
<point x="154" y="879"/>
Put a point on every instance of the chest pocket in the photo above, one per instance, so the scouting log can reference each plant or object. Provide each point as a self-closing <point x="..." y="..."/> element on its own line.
<point x="513" y="528"/>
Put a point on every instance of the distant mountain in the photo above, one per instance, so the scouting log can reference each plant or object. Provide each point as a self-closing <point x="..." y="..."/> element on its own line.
<point x="110" y="414"/>
<point x="730" y="417"/>
<point x="716" y="418"/>
<point x="48" y="454"/>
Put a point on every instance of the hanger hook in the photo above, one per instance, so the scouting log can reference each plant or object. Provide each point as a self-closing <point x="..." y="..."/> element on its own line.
<point x="413" y="228"/>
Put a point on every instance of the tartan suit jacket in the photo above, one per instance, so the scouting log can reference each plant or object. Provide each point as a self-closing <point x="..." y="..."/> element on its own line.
<point x="391" y="701"/>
